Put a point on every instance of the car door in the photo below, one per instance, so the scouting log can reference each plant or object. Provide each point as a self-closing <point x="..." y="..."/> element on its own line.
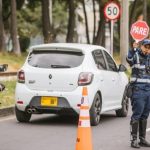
<point x="113" y="77"/>
<point x="103" y="78"/>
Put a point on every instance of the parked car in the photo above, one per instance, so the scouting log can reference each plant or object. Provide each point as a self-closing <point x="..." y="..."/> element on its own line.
<point x="53" y="75"/>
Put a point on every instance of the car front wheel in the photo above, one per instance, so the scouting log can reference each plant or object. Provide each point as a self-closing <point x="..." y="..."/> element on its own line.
<point x="123" y="112"/>
<point x="95" y="110"/>
<point x="22" y="116"/>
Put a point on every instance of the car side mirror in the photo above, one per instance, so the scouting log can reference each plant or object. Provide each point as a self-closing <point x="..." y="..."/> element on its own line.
<point x="122" y="68"/>
<point x="3" y="67"/>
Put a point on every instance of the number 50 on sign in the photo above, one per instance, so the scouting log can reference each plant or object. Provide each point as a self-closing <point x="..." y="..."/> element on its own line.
<point x="112" y="11"/>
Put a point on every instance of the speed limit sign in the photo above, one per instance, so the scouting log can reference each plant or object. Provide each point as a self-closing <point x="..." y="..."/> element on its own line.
<point x="112" y="11"/>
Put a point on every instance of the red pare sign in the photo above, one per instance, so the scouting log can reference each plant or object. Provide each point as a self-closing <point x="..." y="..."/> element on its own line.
<point x="139" y="30"/>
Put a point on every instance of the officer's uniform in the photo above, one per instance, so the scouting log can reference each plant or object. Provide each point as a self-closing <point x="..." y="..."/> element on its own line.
<point x="140" y="99"/>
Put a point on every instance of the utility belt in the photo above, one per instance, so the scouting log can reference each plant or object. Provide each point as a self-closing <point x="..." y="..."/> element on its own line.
<point x="142" y="68"/>
<point x="139" y="80"/>
<point x="130" y="86"/>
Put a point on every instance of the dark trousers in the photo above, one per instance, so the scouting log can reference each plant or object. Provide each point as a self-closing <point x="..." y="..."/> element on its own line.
<point x="140" y="102"/>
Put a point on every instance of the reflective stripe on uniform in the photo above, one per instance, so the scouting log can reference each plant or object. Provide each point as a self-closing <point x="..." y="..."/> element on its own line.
<point x="140" y="80"/>
<point x="130" y="59"/>
<point x="138" y="66"/>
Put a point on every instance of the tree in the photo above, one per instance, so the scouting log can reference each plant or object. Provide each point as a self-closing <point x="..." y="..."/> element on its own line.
<point x="29" y="22"/>
<point x="145" y="10"/>
<point x="14" y="33"/>
<point x="94" y="15"/>
<point x="71" y="21"/>
<point x="59" y="18"/>
<point x="86" y="22"/>
<point x="100" y="36"/>
<point x="2" y="38"/>
<point x="46" y="21"/>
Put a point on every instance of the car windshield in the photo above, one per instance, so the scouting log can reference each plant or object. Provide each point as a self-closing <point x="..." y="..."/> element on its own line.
<point x="55" y="59"/>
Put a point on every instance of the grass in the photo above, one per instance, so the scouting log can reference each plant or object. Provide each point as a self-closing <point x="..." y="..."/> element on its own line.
<point x="7" y="97"/>
<point x="14" y="62"/>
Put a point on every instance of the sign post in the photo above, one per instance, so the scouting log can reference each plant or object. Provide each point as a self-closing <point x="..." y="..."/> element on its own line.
<point x="139" y="31"/>
<point x="112" y="12"/>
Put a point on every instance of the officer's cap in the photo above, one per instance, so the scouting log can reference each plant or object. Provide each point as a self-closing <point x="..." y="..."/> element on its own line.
<point x="146" y="42"/>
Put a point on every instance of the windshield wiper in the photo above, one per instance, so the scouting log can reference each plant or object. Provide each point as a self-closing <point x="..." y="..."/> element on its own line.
<point x="60" y="66"/>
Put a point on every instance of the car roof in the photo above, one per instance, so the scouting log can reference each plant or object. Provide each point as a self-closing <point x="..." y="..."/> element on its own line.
<point x="66" y="46"/>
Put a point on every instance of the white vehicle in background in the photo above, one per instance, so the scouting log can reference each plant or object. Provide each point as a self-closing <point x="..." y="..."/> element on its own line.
<point x="52" y="78"/>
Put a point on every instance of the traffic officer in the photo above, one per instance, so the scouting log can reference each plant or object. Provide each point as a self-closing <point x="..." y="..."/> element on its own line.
<point x="139" y="60"/>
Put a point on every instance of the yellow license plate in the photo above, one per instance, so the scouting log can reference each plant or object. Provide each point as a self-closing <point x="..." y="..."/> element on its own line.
<point x="49" y="101"/>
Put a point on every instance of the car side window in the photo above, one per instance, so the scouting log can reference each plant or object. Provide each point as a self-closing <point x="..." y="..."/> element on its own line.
<point x="99" y="59"/>
<point x="111" y="64"/>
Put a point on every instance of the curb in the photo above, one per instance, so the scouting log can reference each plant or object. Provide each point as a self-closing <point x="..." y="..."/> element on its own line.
<point x="7" y="111"/>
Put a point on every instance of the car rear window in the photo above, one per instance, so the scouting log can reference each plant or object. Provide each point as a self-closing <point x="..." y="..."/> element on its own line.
<point x="55" y="59"/>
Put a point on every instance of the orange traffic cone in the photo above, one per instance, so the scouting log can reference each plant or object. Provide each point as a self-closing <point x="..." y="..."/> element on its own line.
<point x="84" y="141"/>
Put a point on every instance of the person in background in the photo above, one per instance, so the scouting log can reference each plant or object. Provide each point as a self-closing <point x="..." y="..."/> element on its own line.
<point x="139" y="60"/>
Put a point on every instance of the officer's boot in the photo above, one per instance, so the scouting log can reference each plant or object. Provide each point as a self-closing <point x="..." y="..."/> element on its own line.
<point x="142" y="133"/>
<point x="134" y="131"/>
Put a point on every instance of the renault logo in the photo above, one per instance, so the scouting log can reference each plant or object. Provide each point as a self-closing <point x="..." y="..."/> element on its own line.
<point x="50" y="76"/>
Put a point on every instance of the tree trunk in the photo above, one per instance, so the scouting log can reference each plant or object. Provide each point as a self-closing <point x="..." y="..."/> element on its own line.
<point x="86" y="22"/>
<point x="132" y="13"/>
<point x="14" y="33"/>
<point x="101" y="29"/>
<point x="145" y="10"/>
<point x="94" y="15"/>
<point x="71" y="21"/>
<point x="46" y="21"/>
<point x="2" y="38"/>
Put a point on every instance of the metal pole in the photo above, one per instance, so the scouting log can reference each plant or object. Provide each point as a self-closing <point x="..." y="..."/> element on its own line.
<point x="111" y="37"/>
<point x="124" y="31"/>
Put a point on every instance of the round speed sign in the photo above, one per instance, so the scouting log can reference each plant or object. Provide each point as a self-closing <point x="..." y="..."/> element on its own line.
<point x="112" y="11"/>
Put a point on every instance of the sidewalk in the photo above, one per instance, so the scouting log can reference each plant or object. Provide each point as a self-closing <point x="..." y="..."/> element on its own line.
<point x="6" y="111"/>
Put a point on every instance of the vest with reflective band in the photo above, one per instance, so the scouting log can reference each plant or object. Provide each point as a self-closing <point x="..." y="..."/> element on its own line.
<point x="140" y="65"/>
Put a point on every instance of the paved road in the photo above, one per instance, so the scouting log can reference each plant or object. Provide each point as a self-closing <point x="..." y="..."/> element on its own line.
<point x="50" y="132"/>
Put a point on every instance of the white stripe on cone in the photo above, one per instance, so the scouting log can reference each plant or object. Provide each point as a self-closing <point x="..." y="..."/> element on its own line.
<point x="84" y="123"/>
<point x="84" y="113"/>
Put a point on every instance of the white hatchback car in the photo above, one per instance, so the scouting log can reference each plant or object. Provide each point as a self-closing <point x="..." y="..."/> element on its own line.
<point x="52" y="78"/>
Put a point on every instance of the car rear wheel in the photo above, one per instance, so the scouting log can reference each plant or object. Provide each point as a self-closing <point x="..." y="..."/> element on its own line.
<point x="123" y="112"/>
<point x="95" y="110"/>
<point x="22" y="116"/>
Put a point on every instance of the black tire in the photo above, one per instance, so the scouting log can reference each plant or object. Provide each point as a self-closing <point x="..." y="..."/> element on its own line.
<point x="123" y="112"/>
<point x="22" y="116"/>
<point x="95" y="110"/>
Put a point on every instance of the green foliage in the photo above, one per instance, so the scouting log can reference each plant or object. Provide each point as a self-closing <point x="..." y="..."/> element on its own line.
<point x="59" y="17"/>
<point x="29" y="21"/>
